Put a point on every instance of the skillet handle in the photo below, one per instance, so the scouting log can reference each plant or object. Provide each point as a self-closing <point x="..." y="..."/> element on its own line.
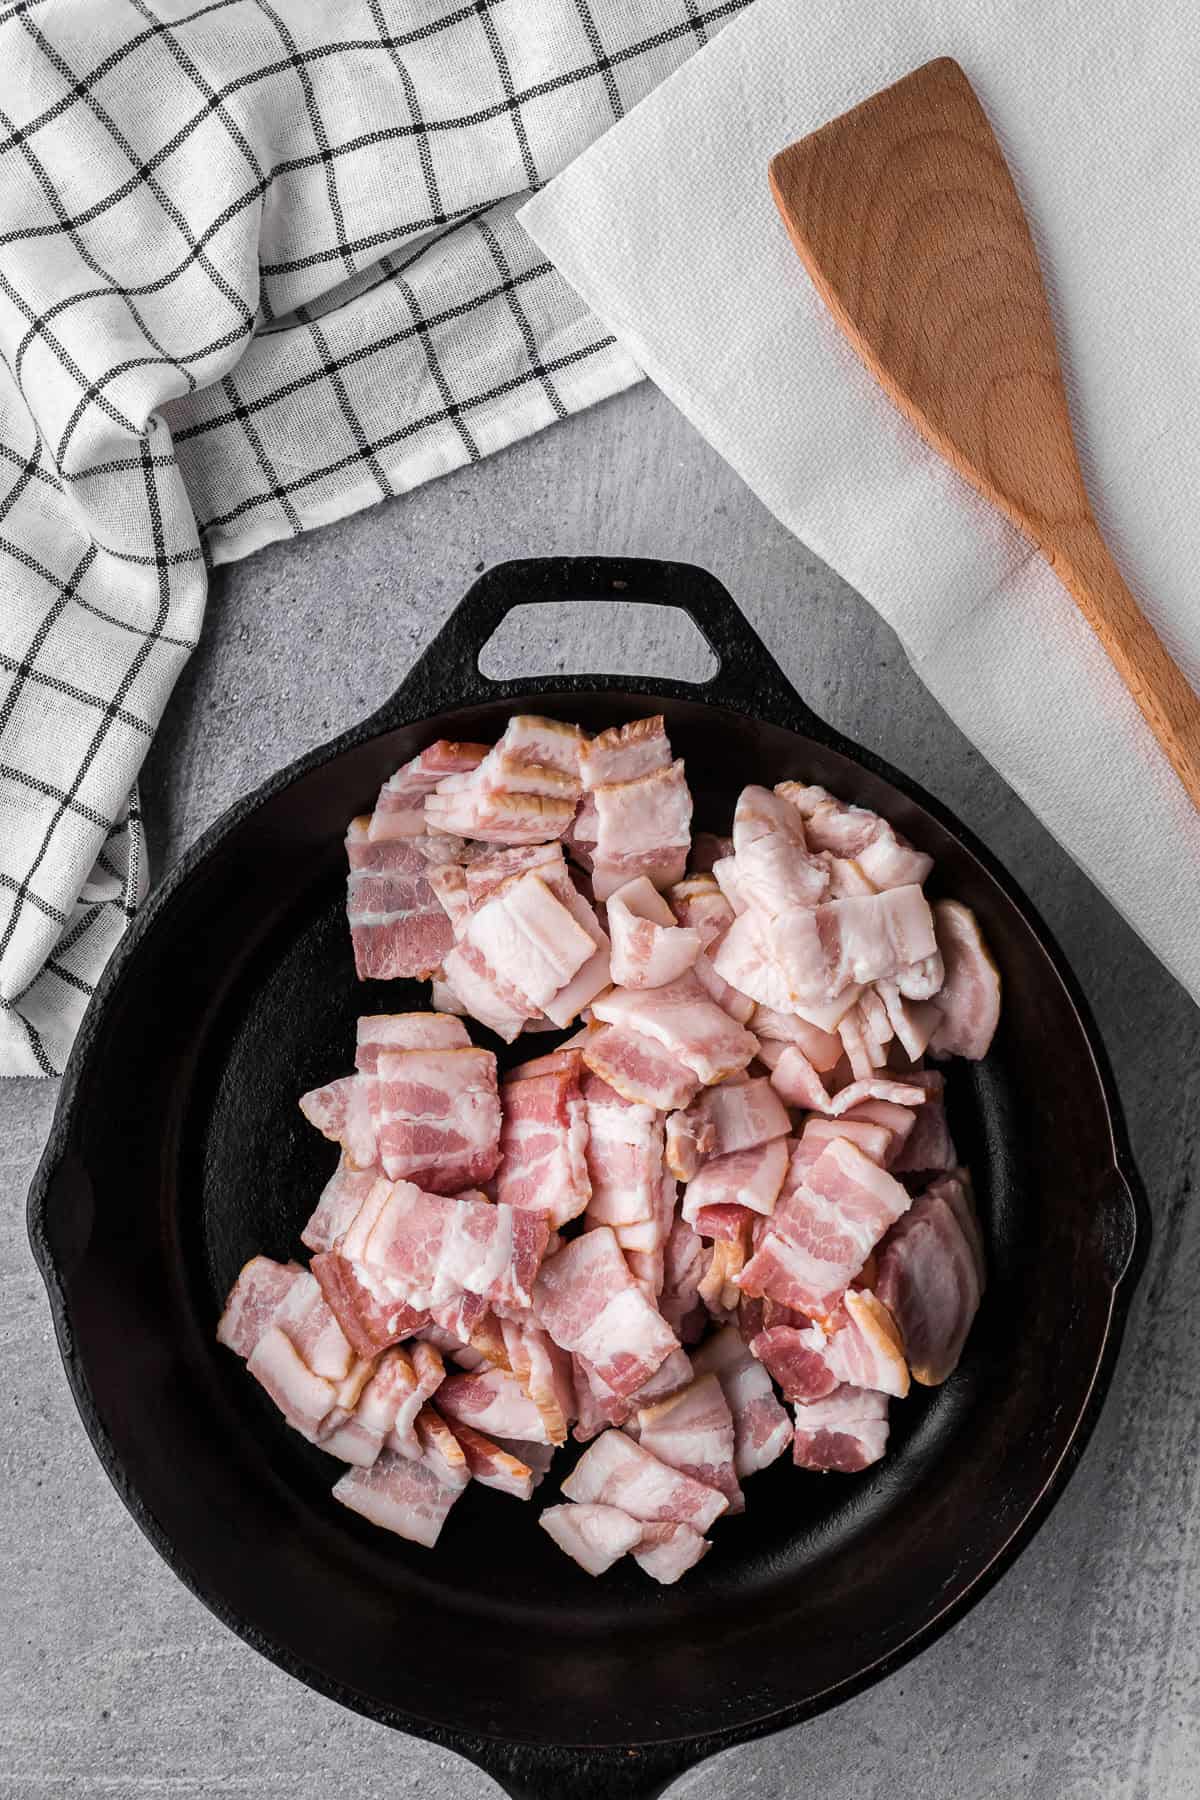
<point x="448" y="676"/>
<point x="532" y="1772"/>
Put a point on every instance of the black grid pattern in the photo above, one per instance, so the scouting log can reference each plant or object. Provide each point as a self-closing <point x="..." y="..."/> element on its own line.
<point x="259" y="267"/>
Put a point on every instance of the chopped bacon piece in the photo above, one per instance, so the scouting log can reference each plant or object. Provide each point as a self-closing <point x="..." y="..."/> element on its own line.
<point x="693" y="1432"/>
<point x="599" y="1405"/>
<point x="434" y="1248"/>
<point x="486" y="995"/>
<point x="749" y="1178"/>
<point x="307" y="1321"/>
<point x="400" y="1494"/>
<point x="529" y="938"/>
<point x="885" y="858"/>
<point x="377" y="1032"/>
<point x="899" y="1121"/>
<point x="397" y="924"/>
<point x="370" y="1317"/>
<point x="523" y="792"/>
<point x="873" y="1139"/>
<point x="666" y="1551"/>
<point x="341" y="1111"/>
<point x="593" y="1536"/>
<point x="305" y="1399"/>
<point x="690" y="1137"/>
<point x="957" y="1192"/>
<point x="590" y="1304"/>
<point x="899" y="1093"/>
<point x="772" y="866"/>
<point x="648" y="948"/>
<point x="614" y="1471"/>
<point x="744" y="1114"/>
<point x="683" y="1271"/>
<point x="913" y="1021"/>
<point x="867" y="1351"/>
<point x="644" y="827"/>
<point x="795" y="1358"/>
<point x="493" y="1465"/>
<point x="624" y="1156"/>
<point x="440" y="1449"/>
<point x="544" y="1143"/>
<point x="929" y="1281"/>
<point x="544" y="1372"/>
<point x="928" y="1148"/>
<point x="684" y="1021"/>
<point x="846" y="1431"/>
<point x="255" y="1297"/>
<point x="698" y="903"/>
<point x="746" y="959"/>
<point x="499" y="816"/>
<point x="969" y="997"/>
<point x="413" y="1376"/>
<point x="639" y="1069"/>
<point x="438" y="1115"/>
<point x="625" y="753"/>
<point x="796" y="1081"/>
<point x="494" y="1402"/>
<point x="822" y="1048"/>
<point x="823" y="950"/>
<point x="400" y="808"/>
<point x="761" y="1428"/>
<point x="646" y="1267"/>
<point x="828" y="1218"/>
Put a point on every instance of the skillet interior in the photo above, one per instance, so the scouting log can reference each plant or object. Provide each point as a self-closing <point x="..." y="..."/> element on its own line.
<point x="180" y="1153"/>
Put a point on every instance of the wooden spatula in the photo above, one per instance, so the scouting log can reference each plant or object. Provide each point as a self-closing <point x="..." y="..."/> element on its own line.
<point x="907" y="219"/>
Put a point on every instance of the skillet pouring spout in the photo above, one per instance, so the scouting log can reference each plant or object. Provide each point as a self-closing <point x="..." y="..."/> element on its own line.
<point x="178" y="1151"/>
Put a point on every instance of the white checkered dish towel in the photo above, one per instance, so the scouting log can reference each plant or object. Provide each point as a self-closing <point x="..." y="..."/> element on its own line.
<point x="258" y="268"/>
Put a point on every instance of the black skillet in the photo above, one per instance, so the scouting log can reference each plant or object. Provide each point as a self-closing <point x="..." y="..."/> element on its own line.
<point x="177" y="1151"/>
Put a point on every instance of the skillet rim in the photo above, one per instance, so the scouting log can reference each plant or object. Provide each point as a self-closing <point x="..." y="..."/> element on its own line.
<point x="748" y="685"/>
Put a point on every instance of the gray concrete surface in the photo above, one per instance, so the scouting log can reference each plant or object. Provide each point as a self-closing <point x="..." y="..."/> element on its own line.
<point x="1076" y="1679"/>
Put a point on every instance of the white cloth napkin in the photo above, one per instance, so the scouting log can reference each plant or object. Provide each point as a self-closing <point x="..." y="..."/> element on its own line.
<point x="258" y="268"/>
<point x="667" y="228"/>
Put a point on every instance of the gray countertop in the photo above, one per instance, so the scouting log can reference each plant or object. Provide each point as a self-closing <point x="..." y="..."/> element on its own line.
<point x="1076" y="1678"/>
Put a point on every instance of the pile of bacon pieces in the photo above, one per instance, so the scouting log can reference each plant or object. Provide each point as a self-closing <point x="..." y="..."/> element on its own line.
<point x="735" y="1181"/>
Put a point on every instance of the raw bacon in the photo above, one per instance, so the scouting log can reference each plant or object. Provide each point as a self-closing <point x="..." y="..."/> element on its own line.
<point x="693" y="1432"/>
<point x="400" y="808"/>
<point x="590" y="1304"/>
<point x="969" y="998"/>
<point x="846" y="1431"/>
<point x="684" y="1021"/>
<point x="614" y="1471"/>
<point x="494" y="1402"/>
<point x="434" y="1248"/>
<point x="643" y="827"/>
<point x="593" y="1536"/>
<point x="666" y="1551"/>
<point x="438" y="1117"/>
<point x="544" y="1143"/>
<point x="648" y="948"/>
<point x="929" y="1281"/>
<point x="397" y="924"/>
<point x="400" y="1494"/>
<point x="762" y="1430"/>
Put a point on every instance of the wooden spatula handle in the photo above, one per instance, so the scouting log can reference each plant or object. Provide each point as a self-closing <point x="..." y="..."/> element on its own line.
<point x="1082" y="562"/>
<point x="908" y="221"/>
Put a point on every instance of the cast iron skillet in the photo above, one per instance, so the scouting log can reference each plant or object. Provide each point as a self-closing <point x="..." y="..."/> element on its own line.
<point x="177" y="1151"/>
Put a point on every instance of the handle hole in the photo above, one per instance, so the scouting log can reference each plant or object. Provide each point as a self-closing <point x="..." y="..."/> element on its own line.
<point x="597" y="637"/>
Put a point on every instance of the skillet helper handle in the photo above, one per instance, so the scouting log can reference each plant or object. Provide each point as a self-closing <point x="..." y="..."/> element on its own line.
<point x="447" y="675"/>
<point x="531" y="1772"/>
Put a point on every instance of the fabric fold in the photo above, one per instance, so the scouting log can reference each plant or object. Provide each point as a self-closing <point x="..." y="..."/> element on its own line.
<point x="258" y="268"/>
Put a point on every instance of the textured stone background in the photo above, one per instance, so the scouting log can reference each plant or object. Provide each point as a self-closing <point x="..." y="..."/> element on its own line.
<point x="1076" y="1678"/>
